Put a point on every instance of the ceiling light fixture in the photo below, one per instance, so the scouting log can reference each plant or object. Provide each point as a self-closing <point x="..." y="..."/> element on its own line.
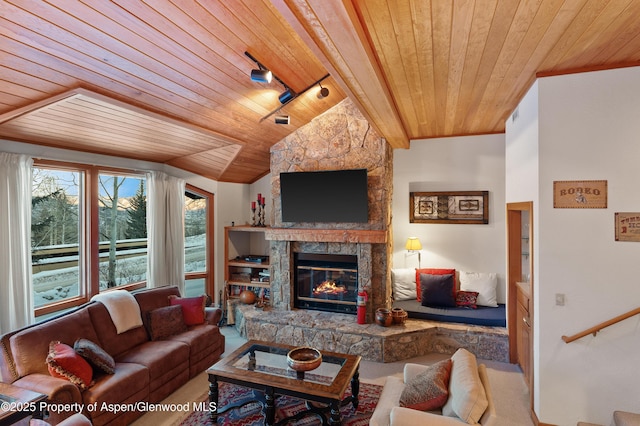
<point x="323" y="92"/>
<point x="282" y="119"/>
<point x="286" y="96"/>
<point x="291" y="95"/>
<point x="261" y="75"/>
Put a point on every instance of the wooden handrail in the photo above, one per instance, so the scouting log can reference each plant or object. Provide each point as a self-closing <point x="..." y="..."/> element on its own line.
<point x="594" y="330"/>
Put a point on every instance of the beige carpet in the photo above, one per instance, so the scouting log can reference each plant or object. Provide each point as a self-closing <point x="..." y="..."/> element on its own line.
<point x="507" y="383"/>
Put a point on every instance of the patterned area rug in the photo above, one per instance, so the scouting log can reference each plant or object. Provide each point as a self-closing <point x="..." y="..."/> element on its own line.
<point x="252" y="414"/>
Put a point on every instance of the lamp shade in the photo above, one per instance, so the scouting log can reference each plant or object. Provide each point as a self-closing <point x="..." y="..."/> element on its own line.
<point x="413" y="244"/>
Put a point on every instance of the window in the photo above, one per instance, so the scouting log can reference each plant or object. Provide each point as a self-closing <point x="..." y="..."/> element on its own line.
<point x="55" y="234"/>
<point x="122" y="230"/>
<point x="88" y="233"/>
<point x="198" y="254"/>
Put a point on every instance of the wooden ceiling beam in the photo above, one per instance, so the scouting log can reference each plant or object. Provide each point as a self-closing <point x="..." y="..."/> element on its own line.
<point x="333" y="31"/>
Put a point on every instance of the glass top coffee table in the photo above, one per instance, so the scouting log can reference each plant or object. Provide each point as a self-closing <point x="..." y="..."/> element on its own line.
<point x="263" y="366"/>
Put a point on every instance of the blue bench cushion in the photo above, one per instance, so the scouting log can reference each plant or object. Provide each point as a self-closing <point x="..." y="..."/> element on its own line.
<point x="483" y="315"/>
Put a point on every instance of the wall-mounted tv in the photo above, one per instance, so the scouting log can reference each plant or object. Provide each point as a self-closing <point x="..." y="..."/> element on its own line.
<point x="325" y="196"/>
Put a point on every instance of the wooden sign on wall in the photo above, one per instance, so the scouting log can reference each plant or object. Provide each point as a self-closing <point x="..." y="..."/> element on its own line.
<point x="580" y="194"/>
<point x="627" y="226"/>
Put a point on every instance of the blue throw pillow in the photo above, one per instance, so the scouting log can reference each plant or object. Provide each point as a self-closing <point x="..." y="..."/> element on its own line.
<point x="438" y="291"/>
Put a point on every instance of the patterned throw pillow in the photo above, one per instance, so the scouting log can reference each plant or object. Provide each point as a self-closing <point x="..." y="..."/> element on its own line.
<point x="65" y="363"/>
<point x="96" y="356"/>
<point x="164" y="322"/>
<point x="467" y="299"/>
<point x="429" y="390"/>
<point x="192" y="308"/>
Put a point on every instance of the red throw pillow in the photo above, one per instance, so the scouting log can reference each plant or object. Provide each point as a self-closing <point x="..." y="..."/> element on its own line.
<point x="432" y="271"/>
<point x="192" y="308"/>
<point x="65" y="363"/>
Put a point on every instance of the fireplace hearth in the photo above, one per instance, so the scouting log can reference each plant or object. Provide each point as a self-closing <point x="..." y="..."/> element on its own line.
<point x="326" y="282"/>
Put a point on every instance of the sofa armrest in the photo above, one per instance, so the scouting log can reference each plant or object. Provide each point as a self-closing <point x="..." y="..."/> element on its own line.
<point x="58" y="390"/>
<point x="401" y="416"/>
<point x="212" y="315"/>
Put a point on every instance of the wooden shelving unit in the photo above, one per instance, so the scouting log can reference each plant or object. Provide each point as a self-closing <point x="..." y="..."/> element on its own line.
<point x="241" y="274"/>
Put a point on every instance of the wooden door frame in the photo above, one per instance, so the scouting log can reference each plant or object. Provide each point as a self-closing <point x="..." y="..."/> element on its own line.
<point x="514" y="275"/>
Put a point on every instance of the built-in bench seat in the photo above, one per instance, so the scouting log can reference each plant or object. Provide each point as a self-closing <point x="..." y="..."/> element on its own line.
<point x="341" y="333"/>
<point x="482" y="315"/>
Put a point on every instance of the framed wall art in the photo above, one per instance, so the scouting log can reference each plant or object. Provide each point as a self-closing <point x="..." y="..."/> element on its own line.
<point x="580" y="194"/>
<point x="627" y="226"/>
<point x="463" y="207"/>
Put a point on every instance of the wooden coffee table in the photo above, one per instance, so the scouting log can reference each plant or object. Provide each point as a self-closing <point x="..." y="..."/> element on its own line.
<point x="263" y="366"/>
<point x="18" y="403"/>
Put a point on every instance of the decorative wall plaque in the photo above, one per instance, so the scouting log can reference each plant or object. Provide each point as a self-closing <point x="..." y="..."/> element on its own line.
<point x="627" y="226"/>
<point x="580" y="194"/>
<point x="464" y="207"/>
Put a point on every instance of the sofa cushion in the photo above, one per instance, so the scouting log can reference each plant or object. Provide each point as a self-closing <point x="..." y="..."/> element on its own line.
<point x="192" y="308"/>
<point x="65" y="363"/>
<point x="96" y="356"/>
<point x="428" y="390"/>
<point x="164" y="322"/>
<point x="432" y="271"/>
<point x="467" y="398"/>
<point x="30" y="346"/>
<point x="438" y="290"/>
<point x="108" y="337"/>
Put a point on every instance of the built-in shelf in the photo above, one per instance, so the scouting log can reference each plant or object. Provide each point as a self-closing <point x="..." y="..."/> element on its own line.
<point x="241" y="274"/>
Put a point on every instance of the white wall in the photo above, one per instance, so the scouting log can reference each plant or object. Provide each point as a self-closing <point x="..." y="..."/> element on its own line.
<point x="521" y="185"/>
<point x="588" y="130"/>
<point x="472" y="163"/>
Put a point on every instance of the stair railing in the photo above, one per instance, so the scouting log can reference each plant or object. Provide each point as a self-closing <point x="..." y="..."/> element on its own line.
<point x="594" y="330"/>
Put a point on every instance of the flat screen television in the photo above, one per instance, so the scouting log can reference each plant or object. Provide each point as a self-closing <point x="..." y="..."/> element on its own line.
<point x="325" y="196"/>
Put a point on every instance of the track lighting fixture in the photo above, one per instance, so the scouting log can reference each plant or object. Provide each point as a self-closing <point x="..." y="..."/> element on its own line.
<point x="323" y="93"/>
<point x="286" y="96"/>
<point x="282" y="119"/>
<point x="261" y="75"/>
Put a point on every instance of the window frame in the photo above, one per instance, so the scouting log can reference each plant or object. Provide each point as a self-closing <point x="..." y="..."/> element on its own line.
<point x="208" y="275"/>
<point x="89" y="239"/>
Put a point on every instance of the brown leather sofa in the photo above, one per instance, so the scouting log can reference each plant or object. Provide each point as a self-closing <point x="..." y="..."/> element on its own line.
<point x="146" y="370"/>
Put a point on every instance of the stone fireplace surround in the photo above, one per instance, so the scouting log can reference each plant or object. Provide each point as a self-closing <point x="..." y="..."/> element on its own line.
<point x="343" y="139"/>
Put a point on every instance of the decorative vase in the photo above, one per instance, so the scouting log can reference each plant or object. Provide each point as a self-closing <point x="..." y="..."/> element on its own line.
<point x="247" y="297"/>
<point x="383" y="317"/>
<point x="398" y="315"/>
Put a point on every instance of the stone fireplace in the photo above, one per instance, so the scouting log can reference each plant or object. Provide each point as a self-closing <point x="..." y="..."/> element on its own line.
<point x="325" y="282"/>
<point x="339" y="139"/>
<point x="342" y="139"/>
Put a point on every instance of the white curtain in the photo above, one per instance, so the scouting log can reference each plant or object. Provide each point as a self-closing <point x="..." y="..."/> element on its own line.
<point x="16" y="288"/>
<point x="165" y="230"/>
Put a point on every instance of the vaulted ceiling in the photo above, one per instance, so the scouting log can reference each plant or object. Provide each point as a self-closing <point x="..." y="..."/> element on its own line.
<point x="168" y="81"/>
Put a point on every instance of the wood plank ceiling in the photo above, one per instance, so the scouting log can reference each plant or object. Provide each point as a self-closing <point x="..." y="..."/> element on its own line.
<point x="176" y="72"/>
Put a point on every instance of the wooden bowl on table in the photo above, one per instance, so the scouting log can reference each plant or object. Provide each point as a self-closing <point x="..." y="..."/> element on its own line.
<point x="304" y="359"/>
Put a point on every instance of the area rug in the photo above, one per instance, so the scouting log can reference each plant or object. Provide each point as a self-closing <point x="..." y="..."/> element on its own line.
<point x="252" y="414"/>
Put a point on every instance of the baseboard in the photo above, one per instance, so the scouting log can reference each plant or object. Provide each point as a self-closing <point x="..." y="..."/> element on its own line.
<point x="537" y="422"/>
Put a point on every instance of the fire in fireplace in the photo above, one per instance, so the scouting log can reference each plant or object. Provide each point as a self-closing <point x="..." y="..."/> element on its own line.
<point x="326" y="282"/>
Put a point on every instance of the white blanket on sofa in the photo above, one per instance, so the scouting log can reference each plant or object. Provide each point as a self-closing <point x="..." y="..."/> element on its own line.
<point x="123" y="308"/>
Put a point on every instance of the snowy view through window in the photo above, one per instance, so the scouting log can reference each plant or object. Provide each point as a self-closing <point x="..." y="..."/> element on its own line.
<point x="59" y="251"/>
